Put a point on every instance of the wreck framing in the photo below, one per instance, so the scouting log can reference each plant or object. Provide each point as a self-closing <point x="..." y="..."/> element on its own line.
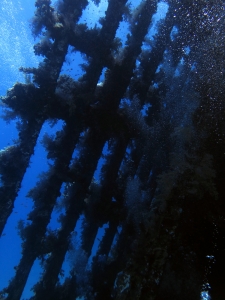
<point x="172" y="165"/>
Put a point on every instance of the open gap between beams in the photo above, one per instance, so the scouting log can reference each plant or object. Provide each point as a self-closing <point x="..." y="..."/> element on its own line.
<point x="92" y="13"/>
<point x="121" y="33"/>
<point x="75" y="262"/>
<point x="151" y="36"/>
<point x="126" y="158"/>
<point x="112" y="252"/>
<point x="100" y="84"/>
<point x="33" y="278"/>
<point x="78" y="147"/>
<point x="98" y="238"/>
<point x="174" y="33"/>
<point x="58" y="211"/>
<point x="102" y="77"/>
<point x="72" y="65"/>
<point x="101" y="162"/>
<point x="72" y="255"/>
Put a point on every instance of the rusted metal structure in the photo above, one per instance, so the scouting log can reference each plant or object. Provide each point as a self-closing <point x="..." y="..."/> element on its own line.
<point x="162" y="180"/>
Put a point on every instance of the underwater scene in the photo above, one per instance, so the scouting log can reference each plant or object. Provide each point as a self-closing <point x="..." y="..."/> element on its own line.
<point x="112" y="150"/>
